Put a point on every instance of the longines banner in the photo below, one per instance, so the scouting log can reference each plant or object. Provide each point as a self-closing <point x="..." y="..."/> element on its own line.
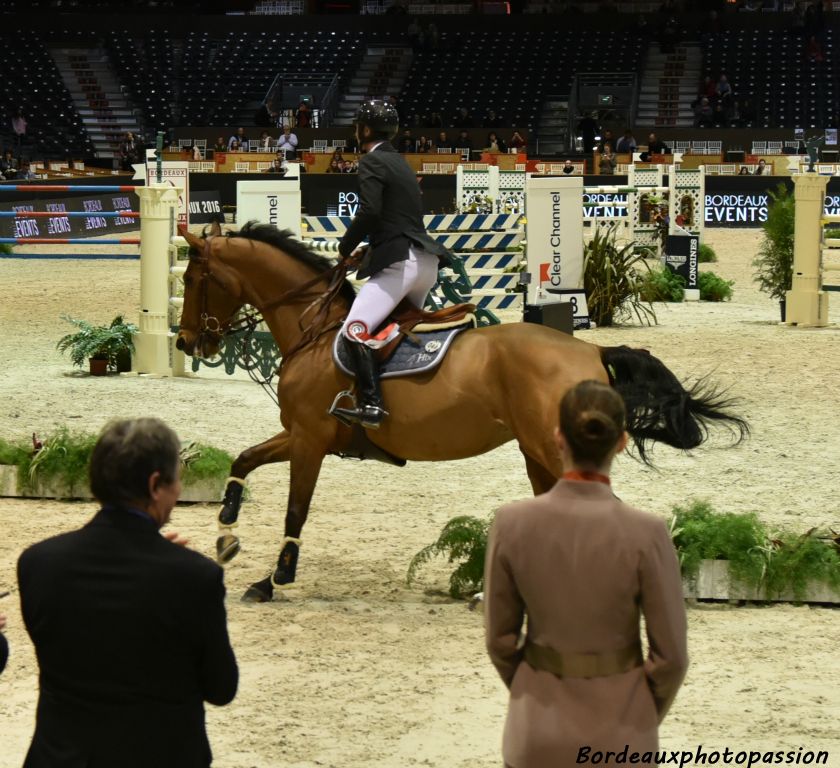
<point x="60" y="226"/>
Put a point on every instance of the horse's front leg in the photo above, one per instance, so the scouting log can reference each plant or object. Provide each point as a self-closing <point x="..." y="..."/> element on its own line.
<point x="306" y="460"/>
<point x="274" y="450"/>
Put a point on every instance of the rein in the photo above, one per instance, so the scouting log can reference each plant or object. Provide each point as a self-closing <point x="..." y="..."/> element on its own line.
<point x="209" y="325"/>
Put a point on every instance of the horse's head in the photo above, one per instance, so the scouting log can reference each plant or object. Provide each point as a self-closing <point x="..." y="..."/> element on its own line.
<point x="212" y="294"/>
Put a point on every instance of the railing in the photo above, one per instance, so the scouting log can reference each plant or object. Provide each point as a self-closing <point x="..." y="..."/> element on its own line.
<point x="379" y="7"/>
<point x="279" y="8"/>
<point x="283" y="96"/>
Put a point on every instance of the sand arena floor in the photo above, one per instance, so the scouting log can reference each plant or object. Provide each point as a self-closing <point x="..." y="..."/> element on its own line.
<point x="355" y="669"/>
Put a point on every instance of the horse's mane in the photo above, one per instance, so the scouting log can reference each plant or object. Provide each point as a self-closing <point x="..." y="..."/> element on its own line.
<point x="285" y="241"/>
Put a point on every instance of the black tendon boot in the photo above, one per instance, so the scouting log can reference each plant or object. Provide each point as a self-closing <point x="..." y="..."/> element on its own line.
<point x="368" y="411"/>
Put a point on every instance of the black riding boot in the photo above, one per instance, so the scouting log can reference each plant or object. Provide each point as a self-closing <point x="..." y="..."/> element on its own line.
<point x="368" y="411"/>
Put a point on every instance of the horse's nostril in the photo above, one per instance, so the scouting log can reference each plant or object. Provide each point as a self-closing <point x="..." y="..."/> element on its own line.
<point x="180" y="343"/>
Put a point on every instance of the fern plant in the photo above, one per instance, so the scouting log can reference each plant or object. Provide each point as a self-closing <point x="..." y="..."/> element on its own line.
<point x="464" y="540"/>
<point x="795" y="561"/>
<point x="714" y="288"/>
<point x="613" y="278"/>
<point x="662" y="284"/>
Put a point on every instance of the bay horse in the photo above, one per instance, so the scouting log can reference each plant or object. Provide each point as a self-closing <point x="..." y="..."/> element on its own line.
<point x="497" y="383"/>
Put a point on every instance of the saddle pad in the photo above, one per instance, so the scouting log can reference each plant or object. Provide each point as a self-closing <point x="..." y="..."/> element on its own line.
<point x="409" y="358"/>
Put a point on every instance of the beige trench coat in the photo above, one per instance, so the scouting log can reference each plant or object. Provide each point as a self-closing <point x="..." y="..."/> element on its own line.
<point x="582" y="566"/>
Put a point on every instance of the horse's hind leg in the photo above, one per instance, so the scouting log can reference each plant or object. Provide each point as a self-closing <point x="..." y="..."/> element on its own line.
<point x="274" y="450"/>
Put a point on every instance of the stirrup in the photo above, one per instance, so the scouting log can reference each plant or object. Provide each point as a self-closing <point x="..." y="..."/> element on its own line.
<point x="369" y="416"/>
<point x="334" y="409"/>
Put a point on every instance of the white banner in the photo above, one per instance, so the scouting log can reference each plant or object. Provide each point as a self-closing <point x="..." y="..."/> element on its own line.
<point x="274" y="202"/>
<point x="554" y="233"/>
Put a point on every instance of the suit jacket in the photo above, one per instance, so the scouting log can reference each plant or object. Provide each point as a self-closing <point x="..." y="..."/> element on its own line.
<point x="131" y="638"/>
<point x="390" y="213"/>
<point x="581" y="565"/>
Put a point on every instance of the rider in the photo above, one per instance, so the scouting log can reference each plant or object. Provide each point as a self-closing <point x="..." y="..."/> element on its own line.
<point x="402" y="261"/>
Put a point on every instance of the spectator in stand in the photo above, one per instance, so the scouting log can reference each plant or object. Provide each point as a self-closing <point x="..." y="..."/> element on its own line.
<point x="494" y="143"/>
<point x="492" y="120"/>
<point x="747" y="110"/>
<point x="287" y="143"/>
<point x="435" y="120"/>
<point x="606" y="138"/>
<point x="265" y="140"/>
<point x="516" y="141"/>
<point x="813" y="50"/>
<point x="463" y="119"/>
<point x="443" y="141"/>
<point x="351" y="145"/>
<point x="415" y="35"/>
<point x="723" y="89"/>
<point x="241" y="140"/>
<point x="703" y="114"/>
<point x="424" y="144"/>
<point x="348" y="166"/>
<point x="194" y="153"/>
<point x="336" y="162"/>
<point x="8" y="165"/>
<point x="432" y="37"/>
<point x="25" y="172"/>
<point x="303" y="116"/>
<point x="719" y="118"/>
<point x="406" y="142"/>
<point x="464" y="143"/>
<point x="626" y="144"/>
<point x="708" y="88"/>
<point x="606" y="162"/>
<point x="761" y="169"/>
<point x="233" y="146"/>
<point x="221" y="145"/>
<point x="744" y="171"/>
<point x="19" y="125"/>
<point x="129" y="151"/>
<point x="568" y="167"/>
<point x="278" y="165"/>
<point x="656" y="146"/>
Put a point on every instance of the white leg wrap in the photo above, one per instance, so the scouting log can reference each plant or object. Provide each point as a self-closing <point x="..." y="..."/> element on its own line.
<point x="287" y="539"/>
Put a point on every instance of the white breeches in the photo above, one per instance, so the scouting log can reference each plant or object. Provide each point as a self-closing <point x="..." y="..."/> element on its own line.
<point x="410" y="279"/>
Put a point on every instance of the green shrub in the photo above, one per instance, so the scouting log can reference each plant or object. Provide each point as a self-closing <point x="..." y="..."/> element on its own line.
<point x="714" y="288"/>
<point x="612" y="280"/>
<point x="797" y="560"/>
<point x="700" y="533"/>
<point x="64" y="458"/>
<point x="464" y="539"/>
<point x="662" y="284"/>
<point x="6" y="248"/>
<point x="707" y="254"/>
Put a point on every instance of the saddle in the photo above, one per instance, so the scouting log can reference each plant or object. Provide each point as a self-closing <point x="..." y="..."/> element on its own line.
<point x="423" y="339"/>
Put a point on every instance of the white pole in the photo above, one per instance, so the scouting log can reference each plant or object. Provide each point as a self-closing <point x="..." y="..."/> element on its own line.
<point x="806" y="304"/>
<point x="153" y="342"/>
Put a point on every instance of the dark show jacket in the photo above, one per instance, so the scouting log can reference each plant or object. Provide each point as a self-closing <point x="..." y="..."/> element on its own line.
<point x="131" y="637"/>
<point x="390" y="213"/>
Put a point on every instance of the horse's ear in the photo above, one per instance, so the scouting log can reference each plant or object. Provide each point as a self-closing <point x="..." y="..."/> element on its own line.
<point x="215" y="229"/>
<point x="196" y="243"/>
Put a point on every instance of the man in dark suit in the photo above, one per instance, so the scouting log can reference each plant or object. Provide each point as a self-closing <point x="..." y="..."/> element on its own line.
<point x="128" y="626"/>
<point x="402" y="261"/>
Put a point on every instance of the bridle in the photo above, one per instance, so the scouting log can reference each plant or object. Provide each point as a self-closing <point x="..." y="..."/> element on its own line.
<point x="210" y="327"/>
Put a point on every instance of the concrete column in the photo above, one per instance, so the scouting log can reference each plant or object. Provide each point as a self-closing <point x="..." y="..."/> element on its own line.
<point x="806" y="304"/>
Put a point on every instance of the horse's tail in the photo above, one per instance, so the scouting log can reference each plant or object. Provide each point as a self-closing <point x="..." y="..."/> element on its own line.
<point x="660" y="409"/>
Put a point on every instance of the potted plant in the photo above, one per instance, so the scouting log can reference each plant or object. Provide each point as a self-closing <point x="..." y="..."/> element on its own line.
<point x="774" y="264"/>
<point x="103" y="346"/>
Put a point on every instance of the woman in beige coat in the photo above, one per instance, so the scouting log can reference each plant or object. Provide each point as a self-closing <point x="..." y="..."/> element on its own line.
<point x="582" y="566"/>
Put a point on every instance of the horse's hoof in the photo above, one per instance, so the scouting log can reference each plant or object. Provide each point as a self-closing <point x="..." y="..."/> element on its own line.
<point x="227" y="547"/>
<point x="260" y="592"/>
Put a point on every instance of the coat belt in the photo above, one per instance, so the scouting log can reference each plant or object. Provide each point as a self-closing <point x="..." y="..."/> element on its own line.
<point x="565" y="664"/>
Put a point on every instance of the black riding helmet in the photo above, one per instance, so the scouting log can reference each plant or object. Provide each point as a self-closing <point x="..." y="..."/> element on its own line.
<point x="381" y="117"/>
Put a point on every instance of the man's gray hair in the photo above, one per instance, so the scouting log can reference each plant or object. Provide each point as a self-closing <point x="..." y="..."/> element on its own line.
<point x="126" y="455"/>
